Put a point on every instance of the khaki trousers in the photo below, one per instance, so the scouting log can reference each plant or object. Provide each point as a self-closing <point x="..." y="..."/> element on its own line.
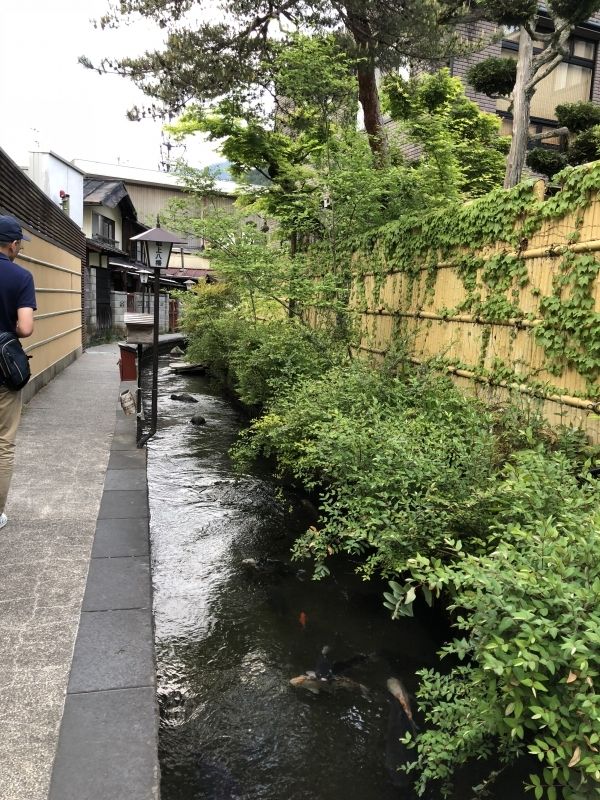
<point x="10" y="416"/>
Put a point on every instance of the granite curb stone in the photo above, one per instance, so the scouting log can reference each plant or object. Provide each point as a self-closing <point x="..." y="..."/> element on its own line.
<point x="121" y="537"/>
<point x="106" y="748"/>
<point x="114" y="651"/>
<point x="118" y="583"/>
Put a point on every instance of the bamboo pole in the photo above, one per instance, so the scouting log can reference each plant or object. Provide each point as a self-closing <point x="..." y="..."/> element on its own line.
<point x="562" y="399"/>
<point x="513" y="322"/>
<point x="548" y="251"/>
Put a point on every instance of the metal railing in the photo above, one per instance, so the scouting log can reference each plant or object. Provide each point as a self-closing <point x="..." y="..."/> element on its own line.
<point x="98" y="237"/>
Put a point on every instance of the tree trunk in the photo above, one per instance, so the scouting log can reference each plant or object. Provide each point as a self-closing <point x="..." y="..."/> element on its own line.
<point x="293" y="251"/>
<point x="521" y="103"/>
<point x="368" y="93"/>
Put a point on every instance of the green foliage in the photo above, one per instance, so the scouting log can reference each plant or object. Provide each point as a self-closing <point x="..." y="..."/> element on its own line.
<point x="583" y="121"/>
<point x="430" y="93"/>
<point x="546" y="162"/>
<point x="574" y="10"/>
<point x="508" y="219"/>
<point x="511" y="12"/>
<point x="315" y="154"/>
<point x="459" y="143"/>
<point x="254" y="358"/>
<point x="315" y="83"/>
<point x="578" y="117"/>
<point x="569" y="331"/>
<point x="247" y="144"/>
<point x="493" y="76"/>
<point x="528" y="615"/>
<point x="586" y="147"/>
<point x="399" y="461"/>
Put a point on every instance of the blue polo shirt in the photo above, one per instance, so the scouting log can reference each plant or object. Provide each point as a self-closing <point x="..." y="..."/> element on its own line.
<point x="16" y="291"/>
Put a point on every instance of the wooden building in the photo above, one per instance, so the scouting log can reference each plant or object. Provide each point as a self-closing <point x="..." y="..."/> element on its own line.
<point x="55" y="257"/>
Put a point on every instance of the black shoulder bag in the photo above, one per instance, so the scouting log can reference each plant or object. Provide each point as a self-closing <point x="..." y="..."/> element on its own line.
<point x="14" y="362"/>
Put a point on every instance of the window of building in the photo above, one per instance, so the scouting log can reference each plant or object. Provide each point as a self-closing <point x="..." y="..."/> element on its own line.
<point x="103" y="228"/>
<point x="582" y="48"/>
<point x="136" y="252"/>
<point x="569" y="82"/>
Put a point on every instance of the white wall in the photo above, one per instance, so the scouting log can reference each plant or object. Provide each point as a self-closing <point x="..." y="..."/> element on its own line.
<point x="109" y="213"/>
<point x="53" y="175"/>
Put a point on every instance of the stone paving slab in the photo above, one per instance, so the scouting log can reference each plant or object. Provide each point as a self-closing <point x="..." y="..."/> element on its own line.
<point x="116" y="583"/>
<point x="62" y="452"/>
<point x="124" y="426"/>
<point x="121" y="479"/>
<point x="114" y="650"/>
<point x="124" y="504"/>
<point x="122" y="441"/>
<point x="127" y="459"/>
<point x="120" y="537"/>
<point x="103" y="728"/>
<point x="105" y="748"/>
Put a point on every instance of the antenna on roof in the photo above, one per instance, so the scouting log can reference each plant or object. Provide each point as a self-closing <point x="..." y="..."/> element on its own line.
<point x="166" y="146"/>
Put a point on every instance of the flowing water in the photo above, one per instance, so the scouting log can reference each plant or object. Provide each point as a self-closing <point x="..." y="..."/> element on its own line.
<point x="229" y="638"/>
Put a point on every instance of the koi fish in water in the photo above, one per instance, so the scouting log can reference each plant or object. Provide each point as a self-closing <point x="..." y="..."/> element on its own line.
<point x="396" y="688"/>
<point x="326" y="675"/>
<point x="311" y="683"/>
<point x="303" y="619"/>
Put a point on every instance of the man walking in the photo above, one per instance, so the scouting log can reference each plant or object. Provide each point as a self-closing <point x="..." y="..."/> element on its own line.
<point x="17" y="304"/>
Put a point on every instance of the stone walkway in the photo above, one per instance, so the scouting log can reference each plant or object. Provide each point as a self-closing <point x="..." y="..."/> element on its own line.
<point x="63" y="501"/>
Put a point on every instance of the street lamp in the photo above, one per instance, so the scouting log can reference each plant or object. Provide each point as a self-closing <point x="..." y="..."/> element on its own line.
<point x="189" y="283"/>
<point x="157" y="244"/>
<point x="143" y="276"/>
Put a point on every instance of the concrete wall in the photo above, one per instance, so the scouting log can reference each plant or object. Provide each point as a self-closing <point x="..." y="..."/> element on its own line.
<point x="53" y="174"/>
<point x="118" y="302"/>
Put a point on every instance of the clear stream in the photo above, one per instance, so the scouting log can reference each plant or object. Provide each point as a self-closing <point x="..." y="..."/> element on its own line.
<point x="228" y="639"/>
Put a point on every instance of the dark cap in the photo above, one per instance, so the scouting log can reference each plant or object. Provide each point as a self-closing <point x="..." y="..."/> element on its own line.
<point x="10" y="230"/>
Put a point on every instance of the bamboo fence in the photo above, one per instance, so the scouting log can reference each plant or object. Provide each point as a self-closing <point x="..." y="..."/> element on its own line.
<point x="396" y="305"/>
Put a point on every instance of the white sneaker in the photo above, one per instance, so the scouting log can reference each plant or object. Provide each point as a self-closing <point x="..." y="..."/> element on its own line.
<point x="3" y="520"/>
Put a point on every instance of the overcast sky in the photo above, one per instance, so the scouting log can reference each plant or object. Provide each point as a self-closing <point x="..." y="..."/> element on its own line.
<point x="50" y="102"/>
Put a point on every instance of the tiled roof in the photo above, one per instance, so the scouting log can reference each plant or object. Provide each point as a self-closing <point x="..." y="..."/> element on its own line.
<point x="106" y="193"/>
<point x="102" y="247"/>
<point x="200" y="272"/>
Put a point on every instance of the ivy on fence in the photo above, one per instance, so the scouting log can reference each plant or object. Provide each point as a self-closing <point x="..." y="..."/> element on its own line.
<point x="501" y="223"/>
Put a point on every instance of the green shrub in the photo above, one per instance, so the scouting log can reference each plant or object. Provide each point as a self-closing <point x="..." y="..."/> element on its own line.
<point x="529" y="614"/>
<point x="256" y="359"/>
<point x="269" y="357"/>
<point x="547" y="162"/>
<point x="586" y="147"/>
<point x="578" y="117"/>
<point x="493" y="76"/>
<point x="399" y="462"/>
